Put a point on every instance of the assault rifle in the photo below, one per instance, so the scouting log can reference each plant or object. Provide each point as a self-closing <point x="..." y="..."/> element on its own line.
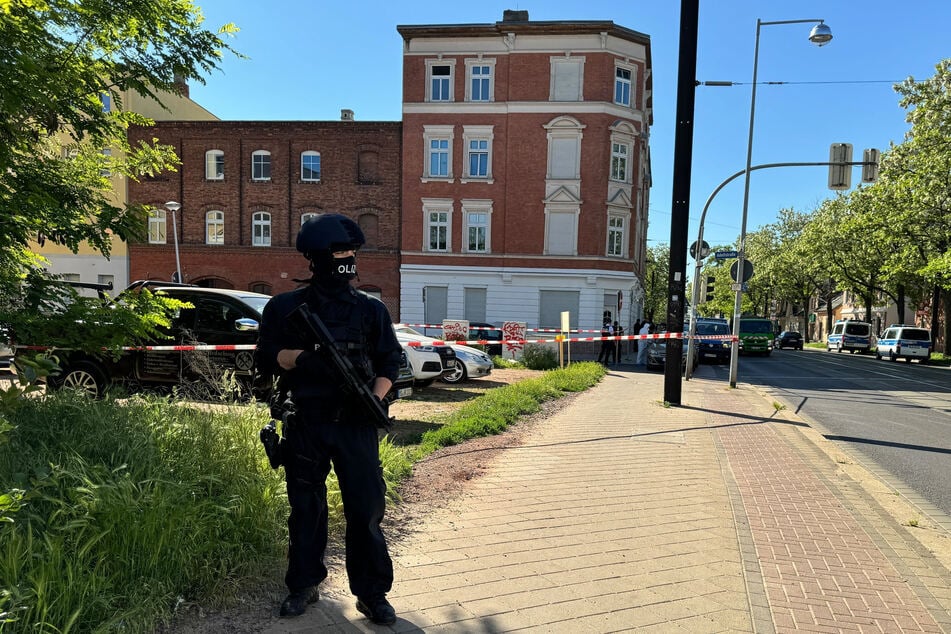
<point x="314" y="329"/>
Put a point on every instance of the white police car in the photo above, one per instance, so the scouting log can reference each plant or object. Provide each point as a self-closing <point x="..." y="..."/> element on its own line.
<point x="904" y="342"/>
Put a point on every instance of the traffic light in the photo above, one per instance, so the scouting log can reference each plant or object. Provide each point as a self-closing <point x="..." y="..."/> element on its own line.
<point x="840" y="173"/>
<point x="870" y="168"/>
<point x="710" y="281"/>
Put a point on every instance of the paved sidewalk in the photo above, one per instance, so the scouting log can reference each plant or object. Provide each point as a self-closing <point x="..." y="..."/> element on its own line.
<point x="618" y="514"/>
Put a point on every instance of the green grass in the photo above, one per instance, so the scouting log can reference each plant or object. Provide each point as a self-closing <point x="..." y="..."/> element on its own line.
<point x="130" y="508"/>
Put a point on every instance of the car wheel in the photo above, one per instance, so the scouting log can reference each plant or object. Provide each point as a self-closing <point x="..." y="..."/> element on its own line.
<point x="907" y="359"/>
<point x="84" y="376"/>
<point x="838" y="349"/>
<point x="457" y="375"/>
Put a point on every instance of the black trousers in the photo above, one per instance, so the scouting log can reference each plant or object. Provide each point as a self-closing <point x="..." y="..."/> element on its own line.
<point x="353" y="448"/>
<point x="607" y="351"/>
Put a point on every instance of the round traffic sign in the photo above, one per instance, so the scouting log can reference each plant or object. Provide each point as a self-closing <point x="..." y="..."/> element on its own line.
<point x="704" y="250"/>
<point x="747" y="270"/>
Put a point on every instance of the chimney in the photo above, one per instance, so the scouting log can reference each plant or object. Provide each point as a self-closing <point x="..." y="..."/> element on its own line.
<point x="511" y="15"/>
<point x="346" y="114"/>
<point x="181" y="85"/>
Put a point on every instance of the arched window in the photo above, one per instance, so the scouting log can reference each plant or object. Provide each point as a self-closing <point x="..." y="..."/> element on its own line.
<point x="261" y="229"/>
<point x="260" y="165"/>
<point x="369" y="225"/>
<point x="214" y="165"/>
<point x="368" y="167"/>
<point x="310" y="166"/>
<point x="308" y="216"/>
<point x="214" y="227"/>
<point x="260" y="287"/>
<point x="157" y="226"/>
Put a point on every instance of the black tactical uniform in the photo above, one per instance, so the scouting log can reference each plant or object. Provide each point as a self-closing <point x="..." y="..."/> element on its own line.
<point x="327" y="428"/>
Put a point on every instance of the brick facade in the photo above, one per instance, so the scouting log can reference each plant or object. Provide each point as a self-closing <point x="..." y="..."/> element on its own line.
<point x="359" y="177"/>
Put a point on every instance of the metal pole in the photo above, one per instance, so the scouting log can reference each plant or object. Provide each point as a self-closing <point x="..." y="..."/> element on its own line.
<point x="680" y="209"/>
<point x="741" y="251"/>
<point x="173" y="207"/>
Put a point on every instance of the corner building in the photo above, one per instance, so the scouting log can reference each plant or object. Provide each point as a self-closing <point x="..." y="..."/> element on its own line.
<point x="525" y="171"/>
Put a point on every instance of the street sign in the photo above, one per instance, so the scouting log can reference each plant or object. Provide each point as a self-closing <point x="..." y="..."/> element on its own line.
<point x="736" y="286"/>
<point x="747" y="270"/>
<point x="725" y="255"/>
<point x="704" y="250"/>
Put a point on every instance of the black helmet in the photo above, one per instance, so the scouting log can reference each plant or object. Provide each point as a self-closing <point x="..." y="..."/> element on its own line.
<point x="330" y="232"/>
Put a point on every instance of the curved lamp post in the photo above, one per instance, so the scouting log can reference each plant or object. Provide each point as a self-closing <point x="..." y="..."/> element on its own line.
<point x="821" y="35"/>
<point x="173" y="207"/>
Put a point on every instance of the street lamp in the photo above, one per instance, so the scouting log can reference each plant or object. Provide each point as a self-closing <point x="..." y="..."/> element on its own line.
<point x="821" y="35"/>
<point x="173" y="207"/>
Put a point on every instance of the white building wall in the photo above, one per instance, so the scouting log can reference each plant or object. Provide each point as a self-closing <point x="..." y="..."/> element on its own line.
<point x="513" y="294"/>
<point x="90" y="267"/>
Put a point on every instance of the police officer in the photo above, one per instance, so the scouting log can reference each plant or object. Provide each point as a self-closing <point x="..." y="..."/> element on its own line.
<point x="325" y="427"/>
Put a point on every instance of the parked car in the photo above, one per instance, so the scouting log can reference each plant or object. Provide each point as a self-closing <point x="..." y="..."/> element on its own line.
<point x="904" y="342"/>
<point x="854" y="336"/>
<point x="469" y="363"/>
<point x="425" y="363"/>
<point x="447" y="354"/>
<point x="480" y="331"/>
<point x="403" y="385"/>
<point x="789" y="339"/>
<point x="657" y="355"/>
<point x="707" y="346"/>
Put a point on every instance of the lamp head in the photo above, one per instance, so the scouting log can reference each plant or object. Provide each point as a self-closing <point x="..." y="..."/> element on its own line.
<point x="821" y="34"/>
<point x="173" y="206"/>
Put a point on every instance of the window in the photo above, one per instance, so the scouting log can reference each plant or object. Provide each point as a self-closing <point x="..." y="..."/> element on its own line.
<point x="564" y="148"/>
<point x="261" y="229"/>
<point x="616" y="236"/>
<point x="157" y="226"/>
<point x="261" y="287"/>
<point x="106" y="279"/>
<point x="260" y="165"/>
<point x="552" y="303"/>
<point x="439" y="80"/>
<point x="214" y="165"/>
<point x="477" y="216"/>
<point x="438" y="143"/>
<point x="619" y="162"/>
<point x="368" y="167"/>
<point x="567" y="76"/>
<point x="310" y="166"/>
<point x="215" y="227"/>
<point x="478" y="160"/>
<point x="622" y="86"/>
<point x="308" y="216"/>
<point x="437" y="215"/>
<point x="480" y="86"/>
<point x="370" y="226"/>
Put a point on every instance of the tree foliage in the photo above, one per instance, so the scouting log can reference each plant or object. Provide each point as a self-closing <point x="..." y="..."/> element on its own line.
<point x="58" y="144"/>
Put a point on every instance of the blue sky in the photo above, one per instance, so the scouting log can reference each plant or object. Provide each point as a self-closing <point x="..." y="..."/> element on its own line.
<point x="308" y="59"/>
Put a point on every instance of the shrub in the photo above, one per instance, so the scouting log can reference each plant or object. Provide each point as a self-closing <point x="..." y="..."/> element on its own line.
<point x="539" y="357"/>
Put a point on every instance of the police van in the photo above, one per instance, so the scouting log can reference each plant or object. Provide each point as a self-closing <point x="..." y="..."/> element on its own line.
<point x="854" y="336"/>
<point x="904" y="342"/>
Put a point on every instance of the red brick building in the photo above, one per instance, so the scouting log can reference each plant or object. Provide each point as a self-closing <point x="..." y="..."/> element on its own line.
<point x="526" y="171"/>
<point x="246" y="186"/>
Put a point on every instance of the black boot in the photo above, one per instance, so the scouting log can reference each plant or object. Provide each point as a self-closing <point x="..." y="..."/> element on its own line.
<point x="377" y="609"/>
<point x="296" y="602"/>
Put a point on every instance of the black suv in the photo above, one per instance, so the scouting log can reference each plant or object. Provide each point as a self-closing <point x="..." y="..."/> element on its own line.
<point x="479" y="331"/>
<point x="217" y="317"/>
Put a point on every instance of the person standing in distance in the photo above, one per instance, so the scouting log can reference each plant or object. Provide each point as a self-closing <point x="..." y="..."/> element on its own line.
<point x="326" y="427"/>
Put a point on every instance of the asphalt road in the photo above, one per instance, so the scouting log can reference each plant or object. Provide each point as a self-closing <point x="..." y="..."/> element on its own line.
<point x="894" y="417"/>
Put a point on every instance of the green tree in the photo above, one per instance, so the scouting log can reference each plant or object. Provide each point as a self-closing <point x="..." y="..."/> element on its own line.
<point x="58" y="59"/>
<point x="655" y="283"/>
<point x="915" y="191"/>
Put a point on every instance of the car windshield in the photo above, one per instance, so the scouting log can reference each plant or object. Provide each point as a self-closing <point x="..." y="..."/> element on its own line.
<point x="406" y="330"/>
<point x="255" y="301"/>
<point x="791" y="335"/>
<point x="712" y="329"/>
<point x="756" y="326"/>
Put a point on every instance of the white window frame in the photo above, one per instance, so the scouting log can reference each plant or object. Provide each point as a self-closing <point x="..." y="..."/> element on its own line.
<point x="430" y="64"/>
<point x="437" y="206"/>
<point x="215" y="227"/>
<point x="437" y="133"/>
<point x="471" y="65"/>
<point x="261" y="229"/>
<point x="620" y="82"/>
<point x="214" y="159"/>
<point x="310" y="215"/>
<point x="258" y="158"/>
<point x="617" y="235"/>
<point x="562" y="131"/>
<point x="309" y="154"/>
<point x="469" y="208"/>
<point x="158" y="227"/>
<point x="470" y="134"/>
<point x="554" y="85"/>
<point x="620" y="156"/>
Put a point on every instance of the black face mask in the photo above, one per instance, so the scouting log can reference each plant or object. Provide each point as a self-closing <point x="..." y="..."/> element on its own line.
<point x="333" y="272"/>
